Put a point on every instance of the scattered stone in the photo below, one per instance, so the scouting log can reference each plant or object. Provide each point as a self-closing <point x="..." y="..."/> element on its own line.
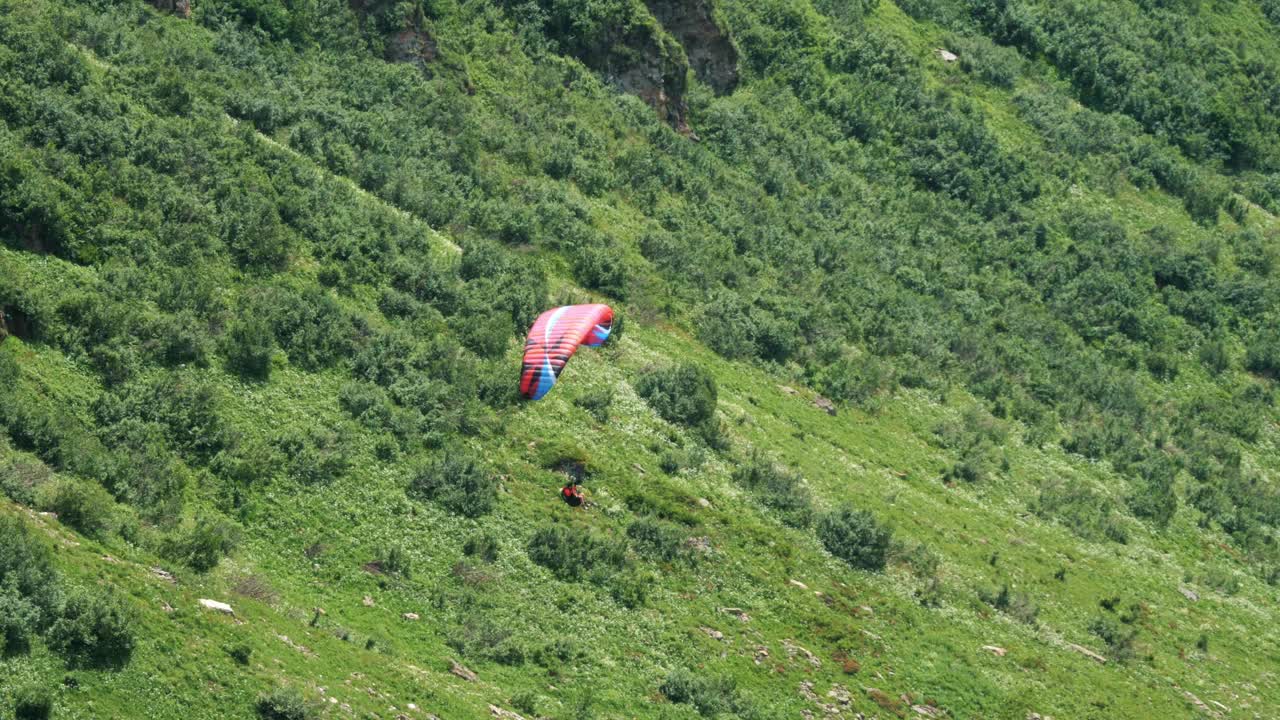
<point x="865" y="610"/>
<point x="840" y="694"/>
<point x="997" y="651"/>
<point x="165" y="606"/>
<point x="163" y="575"/>
<point x="1220" y="706"/>
<point x="947" y="55"/>
<point x="219" y="606"/>
<point x="927" y="710"/>
<point x="799" y="584"/>
<point x="413" y="707"/>
<point x="108" y="558"/>
<point x="824" y="404"/>
<point x="463" y="672"/>
<point x="1087" y="653"/>
<point x="411" y="617"/>
<point x="806" y="691"/>
<point x="1189" y="594"/>
<point x="699" y="544"/>
<point x="300" y="648"/>
<point x="704" y="503"/>
<point x="333" y="700"/>
<point x="714" y="634"/>
<point x="1197" y="702"/>
<point x="738" y="613"/>
<point x="637" y="468"/>
<point x="762" y="654"/>
<point x="794" y="649"/>
<point x="498" y="712"/>
<point x="788" y="389"/>
<point x="368" y="601"/>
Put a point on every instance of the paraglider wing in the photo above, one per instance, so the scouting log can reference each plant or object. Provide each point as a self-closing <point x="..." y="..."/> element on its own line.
<point x="554" y="338"/>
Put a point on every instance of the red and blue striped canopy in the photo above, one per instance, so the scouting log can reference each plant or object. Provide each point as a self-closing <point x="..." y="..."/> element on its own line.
<point x="554" y="338"/>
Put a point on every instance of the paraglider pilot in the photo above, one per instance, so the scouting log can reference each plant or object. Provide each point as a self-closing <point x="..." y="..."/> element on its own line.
<point x="571" y="494"/>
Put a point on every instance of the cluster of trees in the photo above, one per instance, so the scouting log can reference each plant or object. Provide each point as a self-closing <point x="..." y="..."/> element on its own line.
<point x="90" y="628"/>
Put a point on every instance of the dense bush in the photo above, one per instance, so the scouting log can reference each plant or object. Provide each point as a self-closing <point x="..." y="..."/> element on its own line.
<point x="249" y="346"/>
<point x="573" y="554"/>
<point x="683" y="394"/>
<point x="32" y="702"/>
<point x="778" y="488"/>
<point x="458" y="483"/>
<point x="95" y="629"/>
<point x="81" y="504"/>
<point x="315" y="455"/>
<point x="482" y="547"/>
<point x="710" y="696"/>
<point x="657" y="540"/>
<point x="202" y="544"/>
<point x="29" y="586"/>
<point x="856" y="537"/>
<point x="597" y="403"/>
<point x="283" y="703"/>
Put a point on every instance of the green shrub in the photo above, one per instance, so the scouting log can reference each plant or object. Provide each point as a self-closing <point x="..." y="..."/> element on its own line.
<point x="20" y="620"/>
<point x="573" y="554"/>
<point x="856" y="537"/>
<point x="96" y="629"/>
<point x="1016" y="605"/>
<point x="80" y="504"/>
<point x="1119" y="639"/>
<point x="283" y="703"/>
<point x="597" y="403"/>
<point x="457" y="483"/>
<point x="656" y="539"/>
<point x="683" y="394"/>
<point x="249" y="346"/>
<point x="315" y="455"/>
<point x="396" y="561"/>
<point x="202" y="544"/>
<point x="33" y="702"/>
<point x="27" y="579"/>
<point x="777" y="488"/>
<point x="241" y="653"/>
<point x="709" y="696"/>
<point x="483" y="547"/>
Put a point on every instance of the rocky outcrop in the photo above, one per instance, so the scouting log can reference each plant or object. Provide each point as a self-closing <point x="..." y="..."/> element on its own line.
<point x="412" y="45"/>
<point x="711" y="55"/>
<point x="181" y="8"/>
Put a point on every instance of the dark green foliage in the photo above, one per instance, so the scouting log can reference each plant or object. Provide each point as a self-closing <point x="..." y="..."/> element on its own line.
<point x="1016" y="605"/>
<point x="396" y="561"/>
<point x="1082" y="509"/>
<point x="682" y="394"/>
<point x="315" y="455"/>
<point x="202" y="544"/>
<point x="710" y="696"/>
<point x="33" y="702"/>
<point x="81" y="504"/>
<point x="249" y="347"/>
<point x="29" y="586"/>
<point x="573" y="554"/>
<point x="458" y="483"/>
<point x="657" y="540"/>
<point x="597" y="403"/>
<point x="284" y="703"/>
<point x="1118" y="638"/>
<point x="96" y="629"/>
<point x="241" y="653"/>
<point x="856" y="537"/>
<point x="1263" y="354"/>
<point x="778" y="488"/>
<point x="482" y="547"/>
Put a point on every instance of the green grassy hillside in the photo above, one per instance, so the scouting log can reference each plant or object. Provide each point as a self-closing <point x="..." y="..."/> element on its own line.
<point x="266" y="267"/>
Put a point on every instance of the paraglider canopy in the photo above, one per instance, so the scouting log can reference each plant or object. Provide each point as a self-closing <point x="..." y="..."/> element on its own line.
<point x="554" y="338"/>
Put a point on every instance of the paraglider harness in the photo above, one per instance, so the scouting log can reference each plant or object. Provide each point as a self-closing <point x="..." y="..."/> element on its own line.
<point x="571" y="494"/>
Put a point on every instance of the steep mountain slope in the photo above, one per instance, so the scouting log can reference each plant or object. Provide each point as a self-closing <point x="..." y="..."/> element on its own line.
<point x="265" y="267"/>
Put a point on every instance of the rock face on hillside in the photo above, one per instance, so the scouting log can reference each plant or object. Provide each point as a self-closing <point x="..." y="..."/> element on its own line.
<point x="406" y="37"/>
<point x="710" y="53"/>
<point x="181" y="8"/>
